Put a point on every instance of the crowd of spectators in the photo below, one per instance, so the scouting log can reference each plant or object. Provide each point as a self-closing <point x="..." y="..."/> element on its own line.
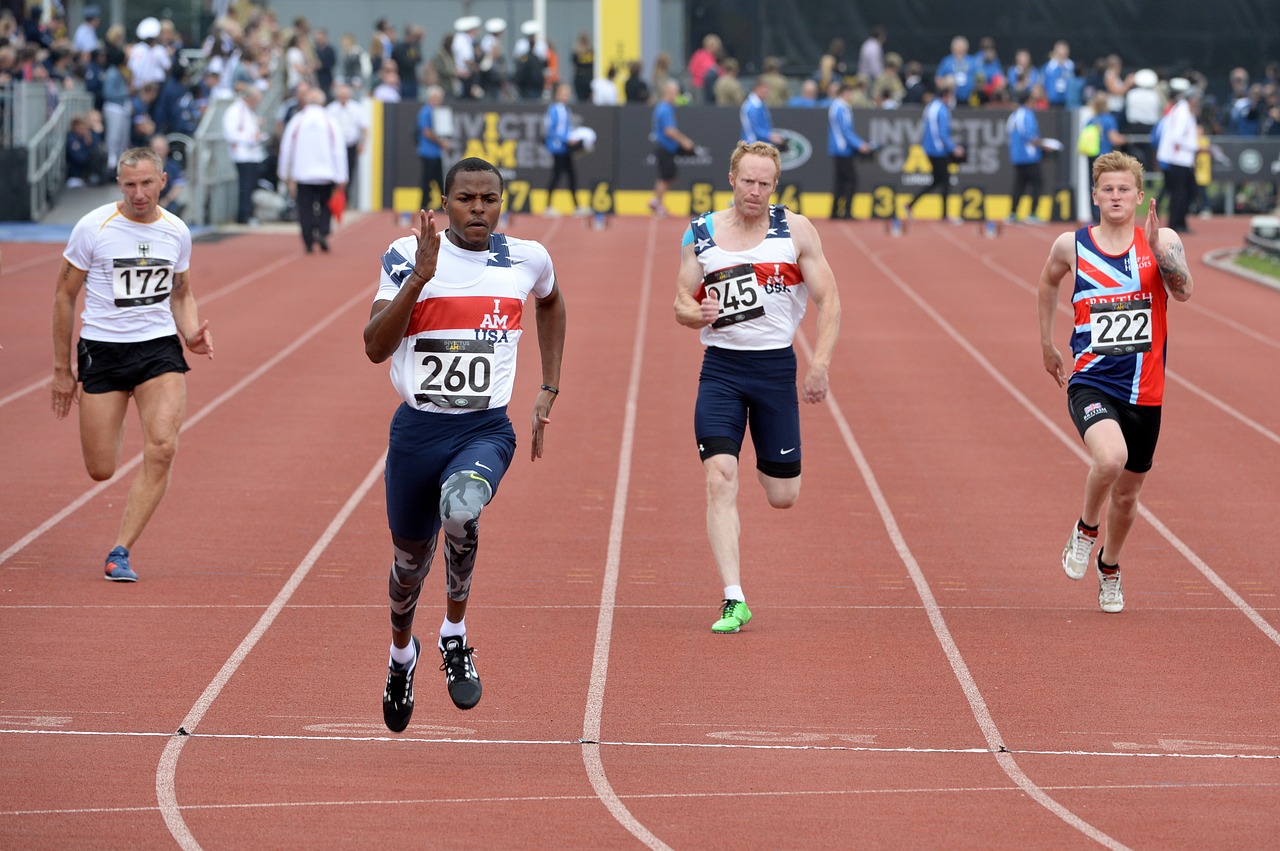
<point x="142" y="85"/>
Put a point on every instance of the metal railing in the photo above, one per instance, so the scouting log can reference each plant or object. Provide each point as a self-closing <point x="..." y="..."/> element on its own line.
<point x="47" y="151"/>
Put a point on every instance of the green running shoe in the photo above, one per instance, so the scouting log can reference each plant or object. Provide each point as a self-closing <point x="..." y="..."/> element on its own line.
<point x="732" y="616"/>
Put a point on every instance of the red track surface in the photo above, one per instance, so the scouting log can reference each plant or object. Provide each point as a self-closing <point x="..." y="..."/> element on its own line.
<point x="919" y="672"/>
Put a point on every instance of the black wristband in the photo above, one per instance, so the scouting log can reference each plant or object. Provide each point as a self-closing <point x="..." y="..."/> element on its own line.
<point x="555" y="391"/>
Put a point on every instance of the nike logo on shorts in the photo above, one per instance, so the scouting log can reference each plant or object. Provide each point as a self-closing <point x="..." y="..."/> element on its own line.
<point x="787" y="451"/>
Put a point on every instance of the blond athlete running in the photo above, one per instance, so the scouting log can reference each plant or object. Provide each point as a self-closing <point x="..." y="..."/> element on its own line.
<point x="1122" y="278"/>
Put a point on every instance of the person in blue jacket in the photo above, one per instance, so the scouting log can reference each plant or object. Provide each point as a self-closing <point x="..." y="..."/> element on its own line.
<point x="843" y="142"/>
<point x="939" y="146"/>
<point x="1025" y="154"/>
<point x="556" y="125"/>
<point x="757" y="123"/>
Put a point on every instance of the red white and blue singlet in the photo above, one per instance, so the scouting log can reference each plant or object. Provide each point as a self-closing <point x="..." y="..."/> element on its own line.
<point x="1119" y="339"/>
<point x="458" y="354"/>
<point x="761" y="293"/>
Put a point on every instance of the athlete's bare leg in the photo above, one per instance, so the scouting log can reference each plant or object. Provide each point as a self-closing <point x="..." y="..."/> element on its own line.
<point x="162" y="403"/>
<point x="723" y="525"/>
<point x="1108" y="453"/>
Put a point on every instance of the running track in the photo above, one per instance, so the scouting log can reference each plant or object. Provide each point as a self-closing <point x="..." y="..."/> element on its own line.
<point x="919" y="672"/>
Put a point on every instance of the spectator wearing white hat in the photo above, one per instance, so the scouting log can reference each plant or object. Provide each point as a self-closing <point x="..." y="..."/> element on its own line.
<point x="530" y="56"/>
<point x="149" y="61"/>
<point x="493" y="63"/>
<point x="466" y="57"/>
<point x="1176" y="152"/>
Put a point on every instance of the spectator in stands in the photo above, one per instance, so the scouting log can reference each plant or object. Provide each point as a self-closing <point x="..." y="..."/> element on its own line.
<point x="143" y="123"/>
<point x="584" y="66"/>
<point x="888" y="90"/>
<point x="350" y="116"/>
<point x="871" y="58"/>
<point x="661" y="73"/>
<point x="757" y="123"/>
<point x="990" y="71"/>
<point x="604" y="90"/>
<point x="85" y="41"/>
<point x="808" y="96"/>
<point x="1116" y="85"/>
<point x="636" y="88"/>
<point x="914" y="82"/>
<point x="86" y="154"/>
<point x="960" y="67"/>
<point x="388" y="88"/>
<point x="728" y="88"/>
<point x="1022" y="75"/>
<point x="171" y="197"/>
<point x="381" y="44"/>
<point x="704" y="59"/>
<point x="1058" y="73"/>
<point x="1178" y="146"/>
<point x="530" y="55"/>
<point x="246" y="139"/>
<point x="1109" y="136"/>
<point x="407" y="55"/>
<point x="493" y="61"/>
<point x="326" y="60"/>
<point x="354" y="67"/>
<point x="778" y="89"/>
<point x="1143" y="107"/>
<point x="149" y="61"/>
<point x="465" y="32"/>
<point x="441" y="69"/>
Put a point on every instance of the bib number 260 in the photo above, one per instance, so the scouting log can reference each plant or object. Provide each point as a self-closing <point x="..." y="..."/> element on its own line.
<point x="453" y="373"/>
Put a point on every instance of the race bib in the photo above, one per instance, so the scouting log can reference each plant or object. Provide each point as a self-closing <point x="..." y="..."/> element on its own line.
<point x="453" y="373"/>
<point x="1120" y="327"/>
<point x="737" y="294"/>
<point x="141" y="280"/>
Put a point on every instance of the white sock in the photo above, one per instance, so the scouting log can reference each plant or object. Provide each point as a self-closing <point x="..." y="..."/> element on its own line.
<point x="402" y="655"/>
<point x="734" y="592"/>
<point x="450" y="629"/>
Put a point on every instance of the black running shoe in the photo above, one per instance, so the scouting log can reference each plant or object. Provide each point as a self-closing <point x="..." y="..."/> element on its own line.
<point x="460" y="672"/>
<point x="397" y="700"/>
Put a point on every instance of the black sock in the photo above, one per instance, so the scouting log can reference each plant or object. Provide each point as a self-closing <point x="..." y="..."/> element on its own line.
<point x="1107" y="569"/>
<point x="1086" y="526"/>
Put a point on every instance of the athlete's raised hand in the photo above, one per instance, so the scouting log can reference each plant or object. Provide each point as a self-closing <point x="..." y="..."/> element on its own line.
<point x="424" y="263"/>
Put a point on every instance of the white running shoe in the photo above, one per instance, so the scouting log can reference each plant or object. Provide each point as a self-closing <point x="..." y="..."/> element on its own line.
<point x="1075" y="555"/>
<point x="1110" y="597"/>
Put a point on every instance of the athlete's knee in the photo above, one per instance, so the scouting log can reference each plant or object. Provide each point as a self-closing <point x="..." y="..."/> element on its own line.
<point x="781" y="493"/>
<point x="1109" y="462"/>
<point x="462" y="497"/>
<point x="99" y="471"/>
<point x="161" y="450"/>
<point x="722" y="478"/>
<point x="411" y="561"/>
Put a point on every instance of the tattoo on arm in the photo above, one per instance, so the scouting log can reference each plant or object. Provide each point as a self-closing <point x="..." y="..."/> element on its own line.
<point x="179" y="282"/>
<point x="1173" y="268"/>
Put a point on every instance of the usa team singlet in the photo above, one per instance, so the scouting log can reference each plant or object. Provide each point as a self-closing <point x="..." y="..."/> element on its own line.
<point x="761" y="294"/>
<point x="459" y="352"/>
<point x="1119" y="339"/>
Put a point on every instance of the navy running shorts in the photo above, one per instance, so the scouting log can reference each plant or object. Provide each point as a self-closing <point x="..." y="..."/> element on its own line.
<point x="110" y="367"/>
<point x="1140" y="424"/>
<point x="738" y="389"/>
<point x="426" y="448"/>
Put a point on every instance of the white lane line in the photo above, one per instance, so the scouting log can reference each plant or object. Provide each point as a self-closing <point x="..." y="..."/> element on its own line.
<point x="977" y="704"/>
<point x="191" y="421"/>
<point x="739" y="746"/>
<point x="166" y="771"/>
<point x="609" y="587"/>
